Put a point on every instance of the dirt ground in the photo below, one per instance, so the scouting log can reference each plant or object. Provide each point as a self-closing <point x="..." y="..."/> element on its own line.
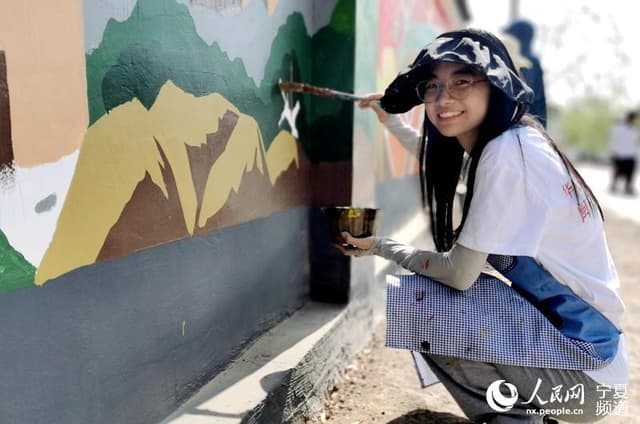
<point x="381" y="385"/>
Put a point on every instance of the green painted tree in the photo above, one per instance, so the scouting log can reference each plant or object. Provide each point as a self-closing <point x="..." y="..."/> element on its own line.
<point x="15" y="271"/>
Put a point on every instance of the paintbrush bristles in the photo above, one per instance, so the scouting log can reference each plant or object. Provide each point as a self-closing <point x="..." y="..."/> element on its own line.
<point x="296" y="87"/>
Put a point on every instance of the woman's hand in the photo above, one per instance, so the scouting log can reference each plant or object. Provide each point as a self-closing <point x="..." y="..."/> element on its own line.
<point x="356" y="246"/>
<point x="371" y="102"/>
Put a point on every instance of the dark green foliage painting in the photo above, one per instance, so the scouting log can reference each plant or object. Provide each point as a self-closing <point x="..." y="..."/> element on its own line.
<point x="15" y="271"/>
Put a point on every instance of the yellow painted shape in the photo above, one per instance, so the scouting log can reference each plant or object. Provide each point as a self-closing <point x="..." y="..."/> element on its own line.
<point x="282" y="152"/>
<point x="180" y="119"/>
<point x="46" y="74"/>
<point x="117" y="151"/>
<point x="244" y="151"/>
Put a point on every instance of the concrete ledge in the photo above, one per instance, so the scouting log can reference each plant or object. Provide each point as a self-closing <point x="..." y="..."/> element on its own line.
<point x="246" y="390"/>
<point x="287" y="374"/>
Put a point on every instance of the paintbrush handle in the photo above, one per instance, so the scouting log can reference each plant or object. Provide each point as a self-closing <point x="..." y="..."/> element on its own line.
<point x="298" y="87"/>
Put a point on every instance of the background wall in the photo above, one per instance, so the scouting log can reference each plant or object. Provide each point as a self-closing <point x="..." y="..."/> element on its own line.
<point x="400" y="30"/>
<point x="385" y="175"/>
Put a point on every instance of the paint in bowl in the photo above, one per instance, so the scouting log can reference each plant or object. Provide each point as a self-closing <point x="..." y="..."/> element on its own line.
<point x="359" y="222"/>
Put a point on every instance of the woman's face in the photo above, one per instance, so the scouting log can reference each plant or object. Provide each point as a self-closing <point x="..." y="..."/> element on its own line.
<point x="457" y="116"/>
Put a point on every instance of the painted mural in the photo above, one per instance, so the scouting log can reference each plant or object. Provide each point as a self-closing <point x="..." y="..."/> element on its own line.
<point x="401" y="29"/>
<point x="182" y="132"/>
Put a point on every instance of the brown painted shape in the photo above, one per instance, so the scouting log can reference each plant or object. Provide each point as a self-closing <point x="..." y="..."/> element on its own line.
<point x="201" y="158"/>
<point x="251" y="201"/>
<point x="6" y="148"/>
<point x="292" y="187"/>
<point x="257" y="198"/>
<point x="149" y="218"/>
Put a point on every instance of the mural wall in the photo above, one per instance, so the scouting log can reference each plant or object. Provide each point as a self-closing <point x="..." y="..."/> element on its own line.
<point x="155" y="191"/>
<point x="175" y="133"/>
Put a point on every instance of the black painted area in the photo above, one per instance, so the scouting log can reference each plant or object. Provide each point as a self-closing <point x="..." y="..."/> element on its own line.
<point x="104" y="343"/>
<point x="330" y="269"/>
<point x="6" y="148"/>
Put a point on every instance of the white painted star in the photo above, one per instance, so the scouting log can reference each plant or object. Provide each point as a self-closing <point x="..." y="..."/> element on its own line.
<point x="289" y="114"/>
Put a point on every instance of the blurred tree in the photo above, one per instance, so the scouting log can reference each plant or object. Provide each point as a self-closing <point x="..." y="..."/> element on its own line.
<point x="585" y="124"/>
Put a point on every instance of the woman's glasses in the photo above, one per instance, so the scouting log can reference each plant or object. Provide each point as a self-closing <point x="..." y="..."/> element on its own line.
<point x="429" y="91"/>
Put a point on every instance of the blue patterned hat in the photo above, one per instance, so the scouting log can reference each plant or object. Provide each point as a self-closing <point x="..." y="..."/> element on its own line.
<point x="478" y="48"/>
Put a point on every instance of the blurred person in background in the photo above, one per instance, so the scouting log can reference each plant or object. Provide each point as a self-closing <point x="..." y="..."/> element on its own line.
<point x="623" y="146"/>
<point x="533" y="75"/>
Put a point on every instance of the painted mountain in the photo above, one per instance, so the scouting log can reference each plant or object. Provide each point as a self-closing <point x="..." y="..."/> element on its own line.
<point x="182" y="141"/>
<point x="138" y="56"/>
<point x="184" y="167"/>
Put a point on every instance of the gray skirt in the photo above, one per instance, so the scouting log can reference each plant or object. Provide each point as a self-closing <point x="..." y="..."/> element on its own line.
<point x="489" y="322"/>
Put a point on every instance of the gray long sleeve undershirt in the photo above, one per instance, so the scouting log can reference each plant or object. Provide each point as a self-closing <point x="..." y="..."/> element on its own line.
<point x="406" y="134"/>
<point x="459" y="268"/>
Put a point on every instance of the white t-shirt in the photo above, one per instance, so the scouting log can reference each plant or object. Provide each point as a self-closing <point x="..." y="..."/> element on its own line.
<point x="623" y="141"/>
<point x="524" y="205"/>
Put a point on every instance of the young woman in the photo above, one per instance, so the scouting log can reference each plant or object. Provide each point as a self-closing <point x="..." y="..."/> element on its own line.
<point x="549" y="342"/>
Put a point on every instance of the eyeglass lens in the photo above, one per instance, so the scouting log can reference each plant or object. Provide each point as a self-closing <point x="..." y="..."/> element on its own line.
<point x="429" y="91"/>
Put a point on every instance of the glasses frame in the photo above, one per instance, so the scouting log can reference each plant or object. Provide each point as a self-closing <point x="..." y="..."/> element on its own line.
<point x="447" y="87"/>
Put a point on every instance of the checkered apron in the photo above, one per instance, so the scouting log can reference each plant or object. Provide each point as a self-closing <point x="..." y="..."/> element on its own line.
<point x="489" y="322"/>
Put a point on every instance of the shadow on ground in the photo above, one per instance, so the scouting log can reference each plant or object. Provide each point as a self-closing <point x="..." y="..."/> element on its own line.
<point x="424" y="416"/>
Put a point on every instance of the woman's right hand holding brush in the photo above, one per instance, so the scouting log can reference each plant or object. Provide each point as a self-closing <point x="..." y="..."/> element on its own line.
<point x="371" y="101"/>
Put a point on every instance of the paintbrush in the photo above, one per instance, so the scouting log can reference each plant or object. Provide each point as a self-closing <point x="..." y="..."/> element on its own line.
<point x="298" y="87"/>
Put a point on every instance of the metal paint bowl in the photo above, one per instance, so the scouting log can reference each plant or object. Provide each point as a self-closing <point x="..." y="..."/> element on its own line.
<point x="359" y="222"/>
